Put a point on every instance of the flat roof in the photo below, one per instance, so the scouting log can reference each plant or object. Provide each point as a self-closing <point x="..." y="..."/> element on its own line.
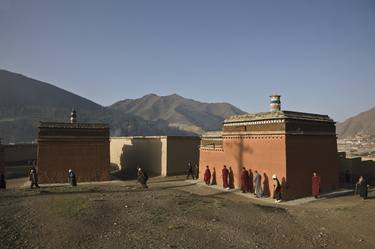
<point x="154" y="137"/>
<point x="60" y="125"/>
<point x="278" y="115"/>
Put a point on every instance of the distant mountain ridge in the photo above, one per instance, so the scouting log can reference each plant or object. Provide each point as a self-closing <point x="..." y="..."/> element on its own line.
<point x="182" y="113"/>
<point x="25" y="101"/>
<point x="363" y="123"/>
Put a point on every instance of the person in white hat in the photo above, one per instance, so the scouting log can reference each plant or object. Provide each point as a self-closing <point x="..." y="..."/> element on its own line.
<point x="72" y="178"/>
<point x="276" y="189"/>
<point x="142" y="177"/>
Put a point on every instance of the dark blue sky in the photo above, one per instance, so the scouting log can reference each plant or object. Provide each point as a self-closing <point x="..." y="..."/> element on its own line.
<point x="319" y="55"/>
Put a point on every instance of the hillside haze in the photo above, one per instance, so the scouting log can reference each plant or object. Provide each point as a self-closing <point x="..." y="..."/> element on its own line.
<point x="25" y="101"/>
<point x="362" y="123"/>
<point x="182" y="113"/>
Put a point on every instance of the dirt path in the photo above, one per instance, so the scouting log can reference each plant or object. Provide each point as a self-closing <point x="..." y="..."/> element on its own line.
<point x="176" y="214"/>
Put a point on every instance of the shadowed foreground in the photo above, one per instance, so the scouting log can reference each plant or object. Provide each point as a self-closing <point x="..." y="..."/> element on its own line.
<point x="176" y="214"/>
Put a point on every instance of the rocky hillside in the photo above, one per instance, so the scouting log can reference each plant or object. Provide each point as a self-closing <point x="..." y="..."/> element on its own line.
<point x="182" y="113"/>
<point x="362" y="123"/>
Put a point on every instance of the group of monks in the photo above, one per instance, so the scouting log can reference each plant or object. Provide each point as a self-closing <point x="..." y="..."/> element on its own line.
<point x="252" y="183"/>
<point x="248" y="185"/>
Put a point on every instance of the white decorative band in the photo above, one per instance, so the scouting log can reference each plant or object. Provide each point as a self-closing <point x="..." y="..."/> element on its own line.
<point x="272" y="121"/>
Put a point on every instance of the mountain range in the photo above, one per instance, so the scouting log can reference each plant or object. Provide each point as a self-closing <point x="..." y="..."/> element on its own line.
<point x="363" y="123"/>
<point x="25" y="101"/>
<point x="185" y="114"/>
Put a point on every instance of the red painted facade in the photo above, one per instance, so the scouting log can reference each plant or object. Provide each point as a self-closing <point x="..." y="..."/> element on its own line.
<point x="289" y="144"/>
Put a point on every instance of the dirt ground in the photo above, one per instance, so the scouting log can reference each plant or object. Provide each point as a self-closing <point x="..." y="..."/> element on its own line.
<point x="173" y="213"/>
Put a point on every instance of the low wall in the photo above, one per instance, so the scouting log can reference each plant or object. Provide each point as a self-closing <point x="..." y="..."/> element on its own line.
<point x="20" y="154"/>
<point x="158" y="155"/>
<point x="129" y="153"/>
<point x="350" y="169"/>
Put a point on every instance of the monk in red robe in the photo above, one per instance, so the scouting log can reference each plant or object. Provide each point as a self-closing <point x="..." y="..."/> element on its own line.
<point x="231" y="178"/>
<point x="225" y="174"/>
<point x="213" y="182"/>
<point x="245" y="181"/>
<point x="315" y="185"/>
<point x="207" y="176"/>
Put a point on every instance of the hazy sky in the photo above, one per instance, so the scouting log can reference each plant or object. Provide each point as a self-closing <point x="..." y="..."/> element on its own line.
<point x="319" y="55"/>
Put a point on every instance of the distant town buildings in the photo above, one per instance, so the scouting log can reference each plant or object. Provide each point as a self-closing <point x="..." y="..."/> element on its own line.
<point x="360" y="145"/>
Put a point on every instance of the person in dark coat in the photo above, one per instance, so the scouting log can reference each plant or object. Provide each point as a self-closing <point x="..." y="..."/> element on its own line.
<point x="207" y="175"/>
<point x="142" y="177"/>
<point x="315" y="180"/>
<point x="72" y="178"/>
<point x="213" y="182"/>
<point x="276" y="189"/>
<point x="225" y="174"/>
<point x="3" y="184"/>
<point x="196" y="171"/>
<point x="190" y="171"/>
<point x="251" y="186"/>
<point x="231" y="178"/>
<point x="245" y="181"/>
<point x="33" y="176"/>
<point x="362" y="187"/>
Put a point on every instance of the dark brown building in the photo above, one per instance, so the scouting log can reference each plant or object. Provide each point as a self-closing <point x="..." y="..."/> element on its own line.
<point x="291" y="145"/>
<point x="82" y="147"/>
<point x="2" y="167"/>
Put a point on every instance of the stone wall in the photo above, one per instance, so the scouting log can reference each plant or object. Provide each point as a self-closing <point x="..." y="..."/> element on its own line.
<point x="20" y="154"/>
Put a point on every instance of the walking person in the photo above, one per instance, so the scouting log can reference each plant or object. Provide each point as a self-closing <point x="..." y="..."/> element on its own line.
<point x="142" y="177"/>
<point x="363" y="187"/>
<point x="315" y="180"/>
<point x="257" y="184"/>
<point x="213" y="182"/>
<point x="72" y="178"/>
<point x="225" y="174"/>
<point x="276" y="189"/>
<point x="207" y="176"/>
<point x="245" y="181"/>
<point x="3" y="183"/>
<point x="190" y="171"/>
<point x="33" y="176"/>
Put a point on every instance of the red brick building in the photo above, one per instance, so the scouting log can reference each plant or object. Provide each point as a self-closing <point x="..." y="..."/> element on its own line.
<point x="291" y="145"/>
<point x="82" y="147"/>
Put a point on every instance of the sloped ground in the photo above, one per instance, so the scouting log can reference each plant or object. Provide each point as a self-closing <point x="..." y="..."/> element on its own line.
<point x="173" y="213"/>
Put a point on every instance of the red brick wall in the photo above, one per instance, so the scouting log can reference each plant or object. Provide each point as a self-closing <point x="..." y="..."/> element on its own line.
<point x="88" y="159"/>
<point x="306" y="154"/>
<point x="264" y="153"/>
<point x="212" y="158"/>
